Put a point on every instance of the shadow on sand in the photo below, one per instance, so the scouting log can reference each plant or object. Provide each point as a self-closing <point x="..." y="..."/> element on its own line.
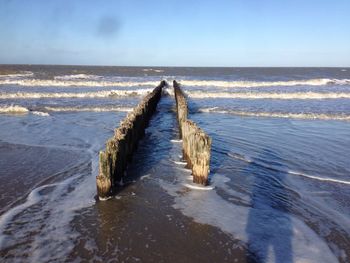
<point x="269" y="226"/>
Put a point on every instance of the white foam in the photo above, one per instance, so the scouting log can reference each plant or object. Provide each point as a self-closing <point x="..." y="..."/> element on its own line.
<point x="51" y="219"/>
<point x="306" y="246"/>
<point x="168" y="91"/>
<point x="180" y="163"/>
<point x="39" y="113"/>
<point x="176" y="141"/>
<point x="197" y="187"/>
<point x="67" y="81"/>
<point x="267" y="95"/>
<point x="153" y="70"/>
<point x="91" y="109"/>
<point x="13" y="109"/>
<point x="104" y="198"/>
<point x="308" y="116"/>
<point x="97" y="94"/>
<point x="143" y="177"/>
<point x="238" y="219"/>
<point x="33" y="198"/>
<point x="17" y="75"/>
<point x="324" y="179"/>
<point x="257" y="84"/>
<point x="78" y="77"/>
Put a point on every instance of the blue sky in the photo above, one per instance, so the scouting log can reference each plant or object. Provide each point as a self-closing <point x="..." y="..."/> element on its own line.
<point x="176" y="33"/>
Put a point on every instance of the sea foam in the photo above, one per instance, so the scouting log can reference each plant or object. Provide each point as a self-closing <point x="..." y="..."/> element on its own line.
<point x="256" y="84"/>
<point x="67" y="81"/>
<point x="91" y="109"/>
<point x="268" y="95"/>
<point x="97" y="94"/>
<point x="290" y="172"/>
<point x="13" y="109"/>
<point x="233" y="219"/>
<point x="306" y="116"/>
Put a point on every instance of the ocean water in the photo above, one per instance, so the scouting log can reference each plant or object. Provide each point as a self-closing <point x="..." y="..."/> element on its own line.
<point x="279" y="181"/>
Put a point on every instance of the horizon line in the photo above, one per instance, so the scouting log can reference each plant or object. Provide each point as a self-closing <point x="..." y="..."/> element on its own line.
<point x="152" y="66"/>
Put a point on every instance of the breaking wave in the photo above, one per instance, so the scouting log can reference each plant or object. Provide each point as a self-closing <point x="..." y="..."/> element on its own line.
<point x="152" y="70"/>
<point x="80" y="80"/>
<point x="308" y="116"/>
<point x="265" y="95"/>
<point x="78" y="77"/>
<point x="13" y="109"/>
<point x="87" y="80"/>
<point x="16" y="109"/>
<point x="92" y="109"/>
<point x="40" y="113"/>
<point x="97" y="94"/>
<point x="256" y="84"/>
<point x="17" y="75"/>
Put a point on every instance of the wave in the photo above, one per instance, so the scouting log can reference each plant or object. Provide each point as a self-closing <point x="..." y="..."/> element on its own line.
<point x="97" y="94"/>
<point x="256" y="84"/>
<point x="13" y="109"/>
<point x="92" y="109"/>
<point x="307" y="116"/>
<point x="78" y="77"/>
<point x="264" y="95"/>
<point x="152" y="70"/>
<point x="67" y="81"/>
<point x="40" y="113"/>
<point x="325" y="179"/>
<point x="246" y="159"/>
<point x="16" y="109"/>
<point x="17" y="75"/>
<point x="240" y="157"/>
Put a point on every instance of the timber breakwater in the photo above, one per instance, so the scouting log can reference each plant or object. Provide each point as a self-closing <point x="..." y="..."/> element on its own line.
<point x="119" y="149"/>
<point x="196" y="144"/>
<point x="114" y="159"/>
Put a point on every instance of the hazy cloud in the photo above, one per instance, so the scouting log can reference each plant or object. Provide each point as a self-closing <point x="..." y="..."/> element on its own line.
<point x="107" y="27"/>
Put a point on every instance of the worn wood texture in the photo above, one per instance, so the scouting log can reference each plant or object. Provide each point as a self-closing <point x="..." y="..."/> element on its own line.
<point x="119" y="149"/>
<point x="196" y="144"/>
<point x="181" y="106"/>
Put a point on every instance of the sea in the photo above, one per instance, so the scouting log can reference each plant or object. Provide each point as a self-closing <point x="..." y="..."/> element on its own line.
<point x="279" y="174"/>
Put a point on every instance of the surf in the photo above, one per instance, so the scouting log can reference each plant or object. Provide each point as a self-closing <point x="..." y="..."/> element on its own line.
<point x="287" y="115"/>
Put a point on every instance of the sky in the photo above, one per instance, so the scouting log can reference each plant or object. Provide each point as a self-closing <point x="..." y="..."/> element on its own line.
<point x="226" y="33"/>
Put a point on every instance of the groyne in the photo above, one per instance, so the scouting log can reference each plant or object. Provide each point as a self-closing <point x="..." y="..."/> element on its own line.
<point x="119" y="149"/>
<point x="196" y="144"/>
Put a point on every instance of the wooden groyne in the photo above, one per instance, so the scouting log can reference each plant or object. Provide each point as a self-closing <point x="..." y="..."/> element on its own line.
<point x="119" y="149"/>
<point x="196" y="144"/>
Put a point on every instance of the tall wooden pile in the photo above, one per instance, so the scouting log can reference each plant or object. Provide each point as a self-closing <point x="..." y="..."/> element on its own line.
<point x="119" y="149"/>
<point x="196" y="144"/>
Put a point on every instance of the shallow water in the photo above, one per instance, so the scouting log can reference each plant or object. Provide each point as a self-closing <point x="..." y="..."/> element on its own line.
<point x="280" y="186"/>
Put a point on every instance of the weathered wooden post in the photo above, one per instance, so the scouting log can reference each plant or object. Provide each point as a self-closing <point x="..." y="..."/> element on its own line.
<point x="119" y="149"/>
<point x="196" y="144"/>
<point x="181" y="106"/>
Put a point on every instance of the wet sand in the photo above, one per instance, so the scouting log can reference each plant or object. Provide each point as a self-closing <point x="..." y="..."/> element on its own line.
<point x="140" y="225"/>
<point x="25" y="167"/>
<point x="279" y="185"/>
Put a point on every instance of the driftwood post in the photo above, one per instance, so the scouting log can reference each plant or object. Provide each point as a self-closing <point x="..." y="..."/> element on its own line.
<point x="119" y="149"/>
<point x="196" y="144"/>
